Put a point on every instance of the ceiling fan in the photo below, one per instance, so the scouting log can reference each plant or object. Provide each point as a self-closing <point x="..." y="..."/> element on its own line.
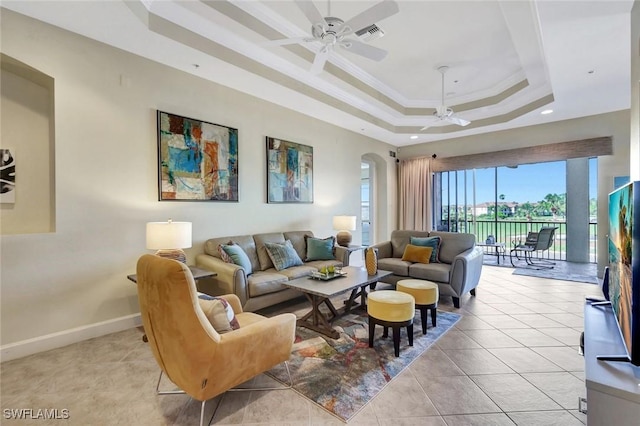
<point x="330" y="31"/>
<point x="444" y="113"/>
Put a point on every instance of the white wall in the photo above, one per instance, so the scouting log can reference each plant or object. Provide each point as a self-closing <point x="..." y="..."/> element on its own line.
<point x="106" y="178"/>
<point x="615" y="124"/>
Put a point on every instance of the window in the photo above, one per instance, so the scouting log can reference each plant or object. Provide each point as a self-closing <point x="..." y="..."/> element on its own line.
<point x="366" y="199"/>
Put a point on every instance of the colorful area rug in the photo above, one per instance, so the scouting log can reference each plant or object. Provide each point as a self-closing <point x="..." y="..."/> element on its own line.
<point x="343" y="375"/>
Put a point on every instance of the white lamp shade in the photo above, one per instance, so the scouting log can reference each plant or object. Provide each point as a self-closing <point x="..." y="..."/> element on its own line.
<point x="344" y="223"/>
<point x="168" y="235"/>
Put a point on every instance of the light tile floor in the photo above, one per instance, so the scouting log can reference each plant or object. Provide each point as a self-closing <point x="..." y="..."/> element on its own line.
<point x="511" y="359"/>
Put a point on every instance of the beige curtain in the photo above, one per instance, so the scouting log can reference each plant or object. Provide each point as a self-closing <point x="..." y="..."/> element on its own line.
<point x="415" y="194"/>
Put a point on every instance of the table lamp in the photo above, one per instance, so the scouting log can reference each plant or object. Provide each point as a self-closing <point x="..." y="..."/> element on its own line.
<point x="344" y="224"/>
<point x="169" y="238"/>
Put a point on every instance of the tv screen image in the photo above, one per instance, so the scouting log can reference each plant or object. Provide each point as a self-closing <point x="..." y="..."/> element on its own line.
<point x="624" y="264"/>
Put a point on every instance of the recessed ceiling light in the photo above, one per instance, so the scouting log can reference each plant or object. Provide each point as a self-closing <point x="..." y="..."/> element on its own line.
<point x="546" y="111"/>
<point x="413" y="137"/>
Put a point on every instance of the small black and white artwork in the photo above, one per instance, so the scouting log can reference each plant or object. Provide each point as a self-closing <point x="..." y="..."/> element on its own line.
<point x="7" y="175"/>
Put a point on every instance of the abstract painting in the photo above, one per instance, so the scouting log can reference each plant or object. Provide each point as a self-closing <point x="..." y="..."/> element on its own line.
<point x="289" y="172"/>
<point x="198" y="161"/>
<point x="7" y="175"/>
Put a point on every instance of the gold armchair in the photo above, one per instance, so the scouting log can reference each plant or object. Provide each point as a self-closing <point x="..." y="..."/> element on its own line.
<point x="193" y="355"/>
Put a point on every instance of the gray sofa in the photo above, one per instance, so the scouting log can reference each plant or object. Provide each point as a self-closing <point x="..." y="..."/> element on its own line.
<point x="457" y="273"/>
<point x="263" y="287"/>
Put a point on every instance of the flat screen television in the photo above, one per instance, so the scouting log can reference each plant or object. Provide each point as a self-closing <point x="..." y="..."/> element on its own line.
<point x="624" y="267"/>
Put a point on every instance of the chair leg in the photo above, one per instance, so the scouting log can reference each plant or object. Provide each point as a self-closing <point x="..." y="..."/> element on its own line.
<point x="423" y="318"/>
<point x="456" y="302"/>
<point x="473" y="291"/>
<point x="372" y="326"/>
<point x="202" y="412"/>
<point x="434" y="315"/>
<point x="410" y="334"/>
<point x="396" y="341"/>
<point x="172" y="392"/>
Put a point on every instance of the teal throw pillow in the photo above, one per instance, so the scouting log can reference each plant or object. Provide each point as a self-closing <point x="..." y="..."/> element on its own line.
<point x="433" y="242"/>
<point x="283" y="256"/>
<point x="239" y="257"/>
<point x="320" y="248"/>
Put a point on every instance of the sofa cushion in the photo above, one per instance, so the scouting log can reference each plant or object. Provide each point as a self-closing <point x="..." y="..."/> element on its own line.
<point x="417" y="254"/>
<point x="433" y="242"/>
<point x="263" y="255"/>
<point x="453" y="243"/>
<point x="283" y="256"/>
<point x="397" y="266"/>
<point x="298" y="271"/>
<point x="219" y="313"/>
<point x="298" y="240"/>
<point x="244" y="241"/>
<point x="438" y="272"/>
<point x="239" y="257"/>
<point x="320" y="249"/>
<point x="400" y="239"/>
<point x="265" y="282"/>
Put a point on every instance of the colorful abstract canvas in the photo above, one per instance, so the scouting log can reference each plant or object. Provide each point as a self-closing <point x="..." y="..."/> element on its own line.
<point x="7" y="176"/>
<point x="289" y="172"/>
<point x="198" y="161"/>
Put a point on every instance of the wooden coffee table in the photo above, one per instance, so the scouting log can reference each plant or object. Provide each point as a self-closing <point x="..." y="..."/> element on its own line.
<point x="318" y="292"/>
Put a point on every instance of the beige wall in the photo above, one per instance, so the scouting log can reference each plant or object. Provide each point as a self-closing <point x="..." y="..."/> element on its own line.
<point x="25" y="110"/>
<point x="635" y="92"/>
<point x="106" y="178"/>
<point x="614" y="124"/>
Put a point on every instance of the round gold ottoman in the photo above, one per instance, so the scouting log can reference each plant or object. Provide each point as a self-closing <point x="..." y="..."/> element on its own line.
<point x="426" y="295"/>
<point x="393" y="309"/>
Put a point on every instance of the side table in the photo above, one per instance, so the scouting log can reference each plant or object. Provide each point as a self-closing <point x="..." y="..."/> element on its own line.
<point x="195" y="271"/>
<point x="499" y="250"/>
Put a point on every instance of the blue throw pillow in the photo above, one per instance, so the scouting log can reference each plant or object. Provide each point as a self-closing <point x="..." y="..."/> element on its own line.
<point x="320" y="249"/>
<point x="239" y="257"/>
<point x="433" y="242"/>
<point x="283" y="256"/>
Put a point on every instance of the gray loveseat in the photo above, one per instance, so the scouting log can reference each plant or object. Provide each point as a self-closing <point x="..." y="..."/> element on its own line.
<point x="263" y="287"/>
<point x="457" y="273"/>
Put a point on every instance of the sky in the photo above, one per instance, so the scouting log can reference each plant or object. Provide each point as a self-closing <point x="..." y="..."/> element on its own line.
<point x="530" y="182"/>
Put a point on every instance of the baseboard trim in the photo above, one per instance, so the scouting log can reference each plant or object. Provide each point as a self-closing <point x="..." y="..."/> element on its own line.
<point x="63" y="338"/>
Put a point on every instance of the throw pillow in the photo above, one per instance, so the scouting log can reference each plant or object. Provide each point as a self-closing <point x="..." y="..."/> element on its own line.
<point x="417" y="254"/>
<point x="433" y="242"/>
<point x="223" y="254"/>
<point x="320" y="248"/>
<point x="283" y="256"/>
<point x="219" y="313"/>
<point x="239" y="257"/>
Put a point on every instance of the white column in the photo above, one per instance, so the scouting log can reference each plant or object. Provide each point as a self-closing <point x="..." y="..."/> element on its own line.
<point x="577" y="237"/>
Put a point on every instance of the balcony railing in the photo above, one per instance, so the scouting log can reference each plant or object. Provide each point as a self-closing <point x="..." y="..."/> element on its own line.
<point x="513" y="232"/>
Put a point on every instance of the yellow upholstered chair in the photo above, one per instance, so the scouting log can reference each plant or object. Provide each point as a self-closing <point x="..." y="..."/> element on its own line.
<point x="193" y="355"/>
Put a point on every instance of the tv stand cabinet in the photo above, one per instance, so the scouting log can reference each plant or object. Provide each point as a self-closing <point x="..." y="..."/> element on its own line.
<point x="613" y="388"/>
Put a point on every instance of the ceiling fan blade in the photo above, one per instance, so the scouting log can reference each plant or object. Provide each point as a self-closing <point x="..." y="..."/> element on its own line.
<point x="320" y="60"/>
<point x="285" y="41"/>
<point x="457" y="120"/>
<point x="311" y="12"/>
<point x="370" y="16"/>
<point x="362" y="49"/>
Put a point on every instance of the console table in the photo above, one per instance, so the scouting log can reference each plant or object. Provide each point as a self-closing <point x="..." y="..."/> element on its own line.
<point x="613" y="388"/>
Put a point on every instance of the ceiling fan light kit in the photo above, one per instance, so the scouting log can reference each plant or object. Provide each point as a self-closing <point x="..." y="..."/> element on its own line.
<point x="331" y="31"/>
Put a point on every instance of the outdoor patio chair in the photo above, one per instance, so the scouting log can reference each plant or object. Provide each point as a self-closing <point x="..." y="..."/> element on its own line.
<point x="536" y="242"/>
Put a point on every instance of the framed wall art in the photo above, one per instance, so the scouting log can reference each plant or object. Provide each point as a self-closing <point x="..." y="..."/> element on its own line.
<point x="7" y="176"/>
<point x="197" y="160"/>
<point x="289" y="172"/>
